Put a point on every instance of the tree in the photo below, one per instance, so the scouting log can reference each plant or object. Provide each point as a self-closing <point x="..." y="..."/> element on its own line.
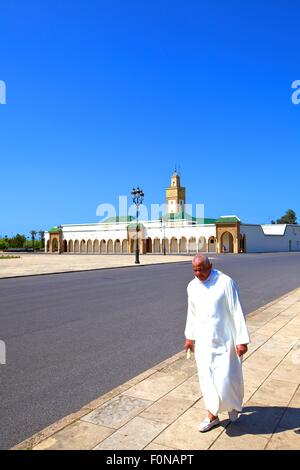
<point x="42" y="237"/>
<point x="17" y="241"/>
<point x="288" y="218"/>
<point x="33" y="234"/>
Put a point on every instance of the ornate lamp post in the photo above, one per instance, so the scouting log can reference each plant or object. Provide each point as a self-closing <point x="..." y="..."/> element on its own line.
<point x="137" y="196"/>
<point x="60" y="248"/>
<point x="164" y="239"/>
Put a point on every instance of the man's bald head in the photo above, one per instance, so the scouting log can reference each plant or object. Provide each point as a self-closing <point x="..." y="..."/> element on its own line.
<point x="201" y="259"/>
<point x="201" y="266"/>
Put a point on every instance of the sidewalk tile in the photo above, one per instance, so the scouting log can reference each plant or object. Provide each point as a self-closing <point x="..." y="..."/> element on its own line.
<point x="135" y="435"/>
<point x="188" y="390"/>
<point x="182" y="367"/>
<point x="295" y="321"/>
<point x="158" y="447"/>
<point x="257" y="340"/>
<point x="287" y="371"/>
<point x="77" y="436"/>
<point x="184" y="434"/>
<point x="291" y="330"/>
<point x="155" y="386"/>
<point x="167" y="409"/>
<point x="253" y="376"/>
<point x="276" y="347"/>
<point x="117" y="411"/>
<point x="291" y="418"/>
<point x="275" y="392"/>
<point x="272" y="327"/>
<point x="232" y="439"/>
<point x="265" y="362"/>
<point x="284" y="439"/>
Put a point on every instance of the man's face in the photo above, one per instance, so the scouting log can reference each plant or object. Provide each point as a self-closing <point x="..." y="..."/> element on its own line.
<point x="202" y="270"/>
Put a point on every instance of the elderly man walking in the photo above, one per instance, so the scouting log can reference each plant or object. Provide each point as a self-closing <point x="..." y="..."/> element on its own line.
<point x="216" y="326"/>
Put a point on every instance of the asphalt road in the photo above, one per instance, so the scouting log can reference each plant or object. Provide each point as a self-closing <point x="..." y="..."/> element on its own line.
<point x="72" y="337"/>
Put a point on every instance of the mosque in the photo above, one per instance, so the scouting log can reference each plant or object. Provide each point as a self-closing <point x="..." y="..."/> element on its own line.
<point x="177" y="232"/>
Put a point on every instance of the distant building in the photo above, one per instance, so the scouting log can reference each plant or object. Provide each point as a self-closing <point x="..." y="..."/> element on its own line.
<point x="177" y="232"/>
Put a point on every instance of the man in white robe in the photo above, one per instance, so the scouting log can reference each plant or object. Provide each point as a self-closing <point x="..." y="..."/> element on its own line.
<point x="216" y="327"/>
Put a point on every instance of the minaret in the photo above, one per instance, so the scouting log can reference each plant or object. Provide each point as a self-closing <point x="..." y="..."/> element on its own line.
<point x="175" y="195"/>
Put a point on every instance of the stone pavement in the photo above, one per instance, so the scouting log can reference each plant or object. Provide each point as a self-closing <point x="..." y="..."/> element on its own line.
<point x="161" y="408"/>
<point x="29" y="264"/>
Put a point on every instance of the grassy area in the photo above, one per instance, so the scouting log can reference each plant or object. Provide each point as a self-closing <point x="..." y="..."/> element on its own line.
<point x="9" y="257"/>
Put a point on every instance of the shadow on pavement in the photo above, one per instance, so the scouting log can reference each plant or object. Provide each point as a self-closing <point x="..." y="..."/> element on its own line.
<point x="265" y="420"/>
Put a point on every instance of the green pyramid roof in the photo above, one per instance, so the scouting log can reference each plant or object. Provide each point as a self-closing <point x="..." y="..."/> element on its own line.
<point x="54" y="229"/>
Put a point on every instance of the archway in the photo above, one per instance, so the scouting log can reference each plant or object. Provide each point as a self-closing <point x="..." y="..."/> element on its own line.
<point x="117" y="246"/>
<point x="174" y="245"/>
<point x="156" y="245"/>
<point x="82" y="246"/>
<point x="65" y="246"/>
<point x="110" y="246"/>
<point x="90" y="246"/>
<point x="202" y="245"/>
<point x="125" y="246"/>
<point x="182" y="245"/>
<point x="103" y="246"/>
<point x="212" y="244"/>
<point x="71" y="246"/>
<point x="148" y="245"/>
<point x="54" y="246"/>
<point x="165" y="246"/>
<point x="96" y="246"/>
<point x="227" y="243"/>
<point x="76" y="246"/>
<point x="192" y="245"/>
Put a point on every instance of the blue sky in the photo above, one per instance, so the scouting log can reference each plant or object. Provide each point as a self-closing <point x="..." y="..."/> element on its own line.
<point x="103" y="95"/>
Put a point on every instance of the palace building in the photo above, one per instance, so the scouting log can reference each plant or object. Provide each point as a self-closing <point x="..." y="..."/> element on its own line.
<point x="177" y="232"/>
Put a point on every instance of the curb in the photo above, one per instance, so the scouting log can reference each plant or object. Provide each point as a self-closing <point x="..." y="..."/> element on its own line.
<point x="93" y="269"/>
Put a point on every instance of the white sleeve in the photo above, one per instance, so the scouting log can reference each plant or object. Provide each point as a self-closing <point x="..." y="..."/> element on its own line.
<point x="190" y="321"/>
<point x="241" y="331"/>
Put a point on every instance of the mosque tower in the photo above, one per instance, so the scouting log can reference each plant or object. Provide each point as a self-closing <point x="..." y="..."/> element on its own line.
<point x="175" y="195"/>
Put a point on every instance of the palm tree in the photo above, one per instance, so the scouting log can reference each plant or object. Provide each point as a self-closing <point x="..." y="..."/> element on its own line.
<point x="33" y="234"/>
<point x="42" y="237"/>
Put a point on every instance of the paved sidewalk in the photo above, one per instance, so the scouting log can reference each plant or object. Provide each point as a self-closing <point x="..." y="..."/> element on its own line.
<point x="36" y="264"/>
<point x="161" y="408"/>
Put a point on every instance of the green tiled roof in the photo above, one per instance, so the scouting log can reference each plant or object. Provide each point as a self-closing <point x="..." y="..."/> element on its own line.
<point x="227" y="220"/>
<point x="179" y="216"/>
<point x="54" y="229"/>
<point x="186" y="216"/>
<point x="117" y="219"/>
<point x="206" y="221"/>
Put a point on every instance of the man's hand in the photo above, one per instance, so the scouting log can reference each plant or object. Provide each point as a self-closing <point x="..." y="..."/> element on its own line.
<point x="241" y="349"/>
<point x="189" y="344"/>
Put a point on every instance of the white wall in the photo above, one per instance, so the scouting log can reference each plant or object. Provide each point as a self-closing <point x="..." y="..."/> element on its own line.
<point x="258" y="242"/>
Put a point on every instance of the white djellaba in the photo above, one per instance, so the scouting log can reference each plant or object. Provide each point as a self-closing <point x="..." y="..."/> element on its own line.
<point x="216" y="322"/>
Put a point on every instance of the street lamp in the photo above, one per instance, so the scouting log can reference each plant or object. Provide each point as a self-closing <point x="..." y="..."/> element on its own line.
<point x="60" y="248"/>
<point x="164" y="238"/>
<point x="137" y="196"/>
